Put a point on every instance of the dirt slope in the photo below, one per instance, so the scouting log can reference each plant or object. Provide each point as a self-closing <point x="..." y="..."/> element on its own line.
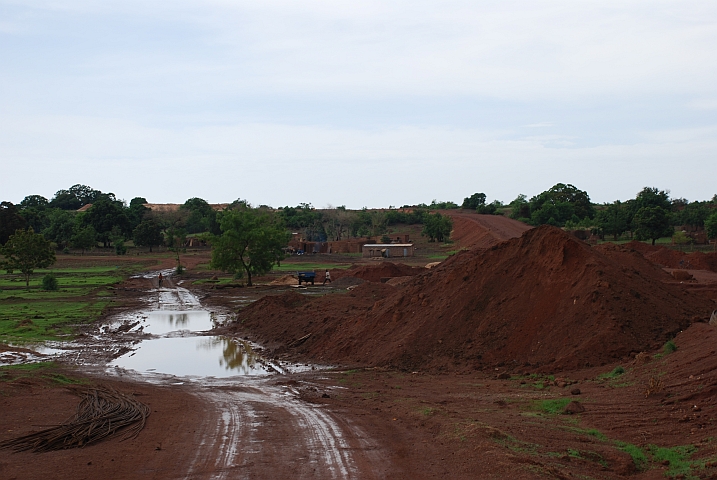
<point x="543" y="300"/>
<point x="471" y="230"/>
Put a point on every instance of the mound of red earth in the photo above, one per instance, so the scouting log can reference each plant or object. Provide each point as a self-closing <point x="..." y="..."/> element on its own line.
<point x="544" y="301"/>
<point x="669" y="258"/>
<point x="378" y="272"/>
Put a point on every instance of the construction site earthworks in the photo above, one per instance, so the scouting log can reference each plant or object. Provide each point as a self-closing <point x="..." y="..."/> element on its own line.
<point x="521" y="353"/>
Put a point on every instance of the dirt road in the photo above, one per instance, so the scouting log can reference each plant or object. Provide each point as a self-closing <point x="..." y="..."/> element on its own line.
<point x="471" y="230"/>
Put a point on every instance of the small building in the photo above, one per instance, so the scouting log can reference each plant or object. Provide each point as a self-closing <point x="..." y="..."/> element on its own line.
<point x="387" y="250"/>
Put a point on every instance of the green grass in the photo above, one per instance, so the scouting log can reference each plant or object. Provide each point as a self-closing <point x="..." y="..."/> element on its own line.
<point x="42" y="370"/>
<point x="33" y="315"/>
<point x="678" y="458"/>
<point x="638" y="455"/>
<point x="669" y="347"/>
<point x="551" y="407"/>
<point x="616" y="372"/>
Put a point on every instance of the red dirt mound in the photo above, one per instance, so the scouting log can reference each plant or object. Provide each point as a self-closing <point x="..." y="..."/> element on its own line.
<point x="374" y="273"/>
<point x="543" y="300"/>
<point x="669" y="258"/>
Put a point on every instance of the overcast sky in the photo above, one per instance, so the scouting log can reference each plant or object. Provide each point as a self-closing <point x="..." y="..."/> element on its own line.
<point x="357" y="103"/>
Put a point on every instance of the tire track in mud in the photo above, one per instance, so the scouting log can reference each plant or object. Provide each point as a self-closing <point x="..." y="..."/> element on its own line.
<point x="264" y="431"/>
<point x="255" y="429"/>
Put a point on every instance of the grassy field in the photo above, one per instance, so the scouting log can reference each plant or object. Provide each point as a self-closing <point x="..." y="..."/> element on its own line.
<point x="33" y="314"/>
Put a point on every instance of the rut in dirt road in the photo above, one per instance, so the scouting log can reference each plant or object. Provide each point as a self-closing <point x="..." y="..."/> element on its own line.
<point x="268" y="433"/>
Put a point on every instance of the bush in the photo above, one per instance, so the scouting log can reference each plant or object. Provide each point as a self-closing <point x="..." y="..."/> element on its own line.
<point x="120" y="249"/>
<point x="49" y="282"/>
<point x="669" y="347"/>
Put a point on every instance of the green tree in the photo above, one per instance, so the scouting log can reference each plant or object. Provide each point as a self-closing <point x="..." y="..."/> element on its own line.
<point x="652" y="223"/>
<point x="137" y="211"/>
<point x="520" y="208"/>
<point x="653" y="197"/>
<point x="106" y="214"/>
<point x="61" y="226"/>
<point x="474" y="201"/>
<point x="84" y="238"/>
<point x="252" y="241"/>
<point x="711" y="227"/>
<point x="437" y="227"/>
<point x="148" y="234"/>
<point x="559" y="204"/>
<point x="25" y="251"/>
<point x="613" y="219"/>
<point x="10" y="221"/>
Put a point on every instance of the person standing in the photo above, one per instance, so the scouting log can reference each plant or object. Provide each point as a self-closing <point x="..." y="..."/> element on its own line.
<point x="327" y="277"/>
<point x="159" y="279"/>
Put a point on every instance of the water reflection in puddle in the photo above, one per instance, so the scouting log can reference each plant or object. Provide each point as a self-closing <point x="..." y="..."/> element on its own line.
<point x="193" y="356"/>
<point x="161" y="322"/>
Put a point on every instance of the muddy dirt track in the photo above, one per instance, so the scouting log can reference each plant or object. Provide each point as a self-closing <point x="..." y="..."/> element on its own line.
<point x="638" y="411"/>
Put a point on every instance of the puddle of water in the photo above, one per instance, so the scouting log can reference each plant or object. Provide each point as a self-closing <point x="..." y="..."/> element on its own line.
<point x="162" y="322"/>
<point x="193" y="356"/>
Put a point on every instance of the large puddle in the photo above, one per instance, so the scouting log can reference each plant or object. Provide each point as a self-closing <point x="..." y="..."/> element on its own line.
<point x="194" y="357"/>
<point x="178" y="344"/>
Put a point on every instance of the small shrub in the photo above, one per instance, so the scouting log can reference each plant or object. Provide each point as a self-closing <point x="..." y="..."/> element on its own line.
<point x="49" y="282"/>
<point x="669" y="347"/>
<point x="120" y="248"/>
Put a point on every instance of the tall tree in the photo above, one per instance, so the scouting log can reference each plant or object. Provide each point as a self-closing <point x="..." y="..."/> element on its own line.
<point x="25" y="251"/>
<point x="613" y="219"/>
<point x="84" y="238"/>
<point x="252" y="241"/>
<point x="437" y="227"/>
<point x="10" y="220"/>
<point x="104" y="215"/>
<point x="148" y="234"/>
<point x="652" y="223"/>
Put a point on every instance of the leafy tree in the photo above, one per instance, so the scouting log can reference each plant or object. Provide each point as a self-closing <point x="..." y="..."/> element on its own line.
<point x="25" y="251"/>
<point x="137" y="211"/>
<point x="34" y="209"/>
<point x="84" y="238"/>
<point x="104" y="215"/>
<point x="61" y="228"/>
<point x="10" y="221"/>
<point x="252" y="241"/>
<point x="77" y="196"/>
<point x="693" y="214"/>
<point x="653" y="197"/>
<point x="34" y="201"/>
<point x="148" y="234"/>
<point x="559" y="204"/>
<point x="711" y="227"/>
<point x="303" y="218"/>
<point x="201" y="218"/>
<point x="520" y="208"/>
<point x="474" y="201"/>
<point x="437" y="227"/>
<point x="652" y="223"/>
<point x="446" y="205"/>
<point x="613" y="219"/>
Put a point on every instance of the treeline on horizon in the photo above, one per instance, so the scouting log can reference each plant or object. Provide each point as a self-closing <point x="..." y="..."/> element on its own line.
<point x="652" y="214"/>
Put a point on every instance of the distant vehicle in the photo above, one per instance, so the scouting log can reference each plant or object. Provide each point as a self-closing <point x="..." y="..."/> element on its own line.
<point x="306" y="277"/>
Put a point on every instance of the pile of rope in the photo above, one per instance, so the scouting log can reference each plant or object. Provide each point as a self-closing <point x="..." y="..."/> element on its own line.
<point x="102" y="413"/>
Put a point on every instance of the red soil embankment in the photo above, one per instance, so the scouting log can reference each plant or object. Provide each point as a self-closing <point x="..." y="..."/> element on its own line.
<point x="472" y="230"/>
<point x="543" y="300"/>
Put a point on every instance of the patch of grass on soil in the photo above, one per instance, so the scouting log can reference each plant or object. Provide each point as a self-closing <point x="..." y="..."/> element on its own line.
<point x="44" y="371"/>
<point x="34" y="314"/>
<point x="551" y="407"/>
<point x="615" y="373"/>
<point x="677" y="458"/>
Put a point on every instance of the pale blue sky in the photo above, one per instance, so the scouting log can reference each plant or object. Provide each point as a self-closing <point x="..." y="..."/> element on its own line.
<point x="357" y="103"/>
